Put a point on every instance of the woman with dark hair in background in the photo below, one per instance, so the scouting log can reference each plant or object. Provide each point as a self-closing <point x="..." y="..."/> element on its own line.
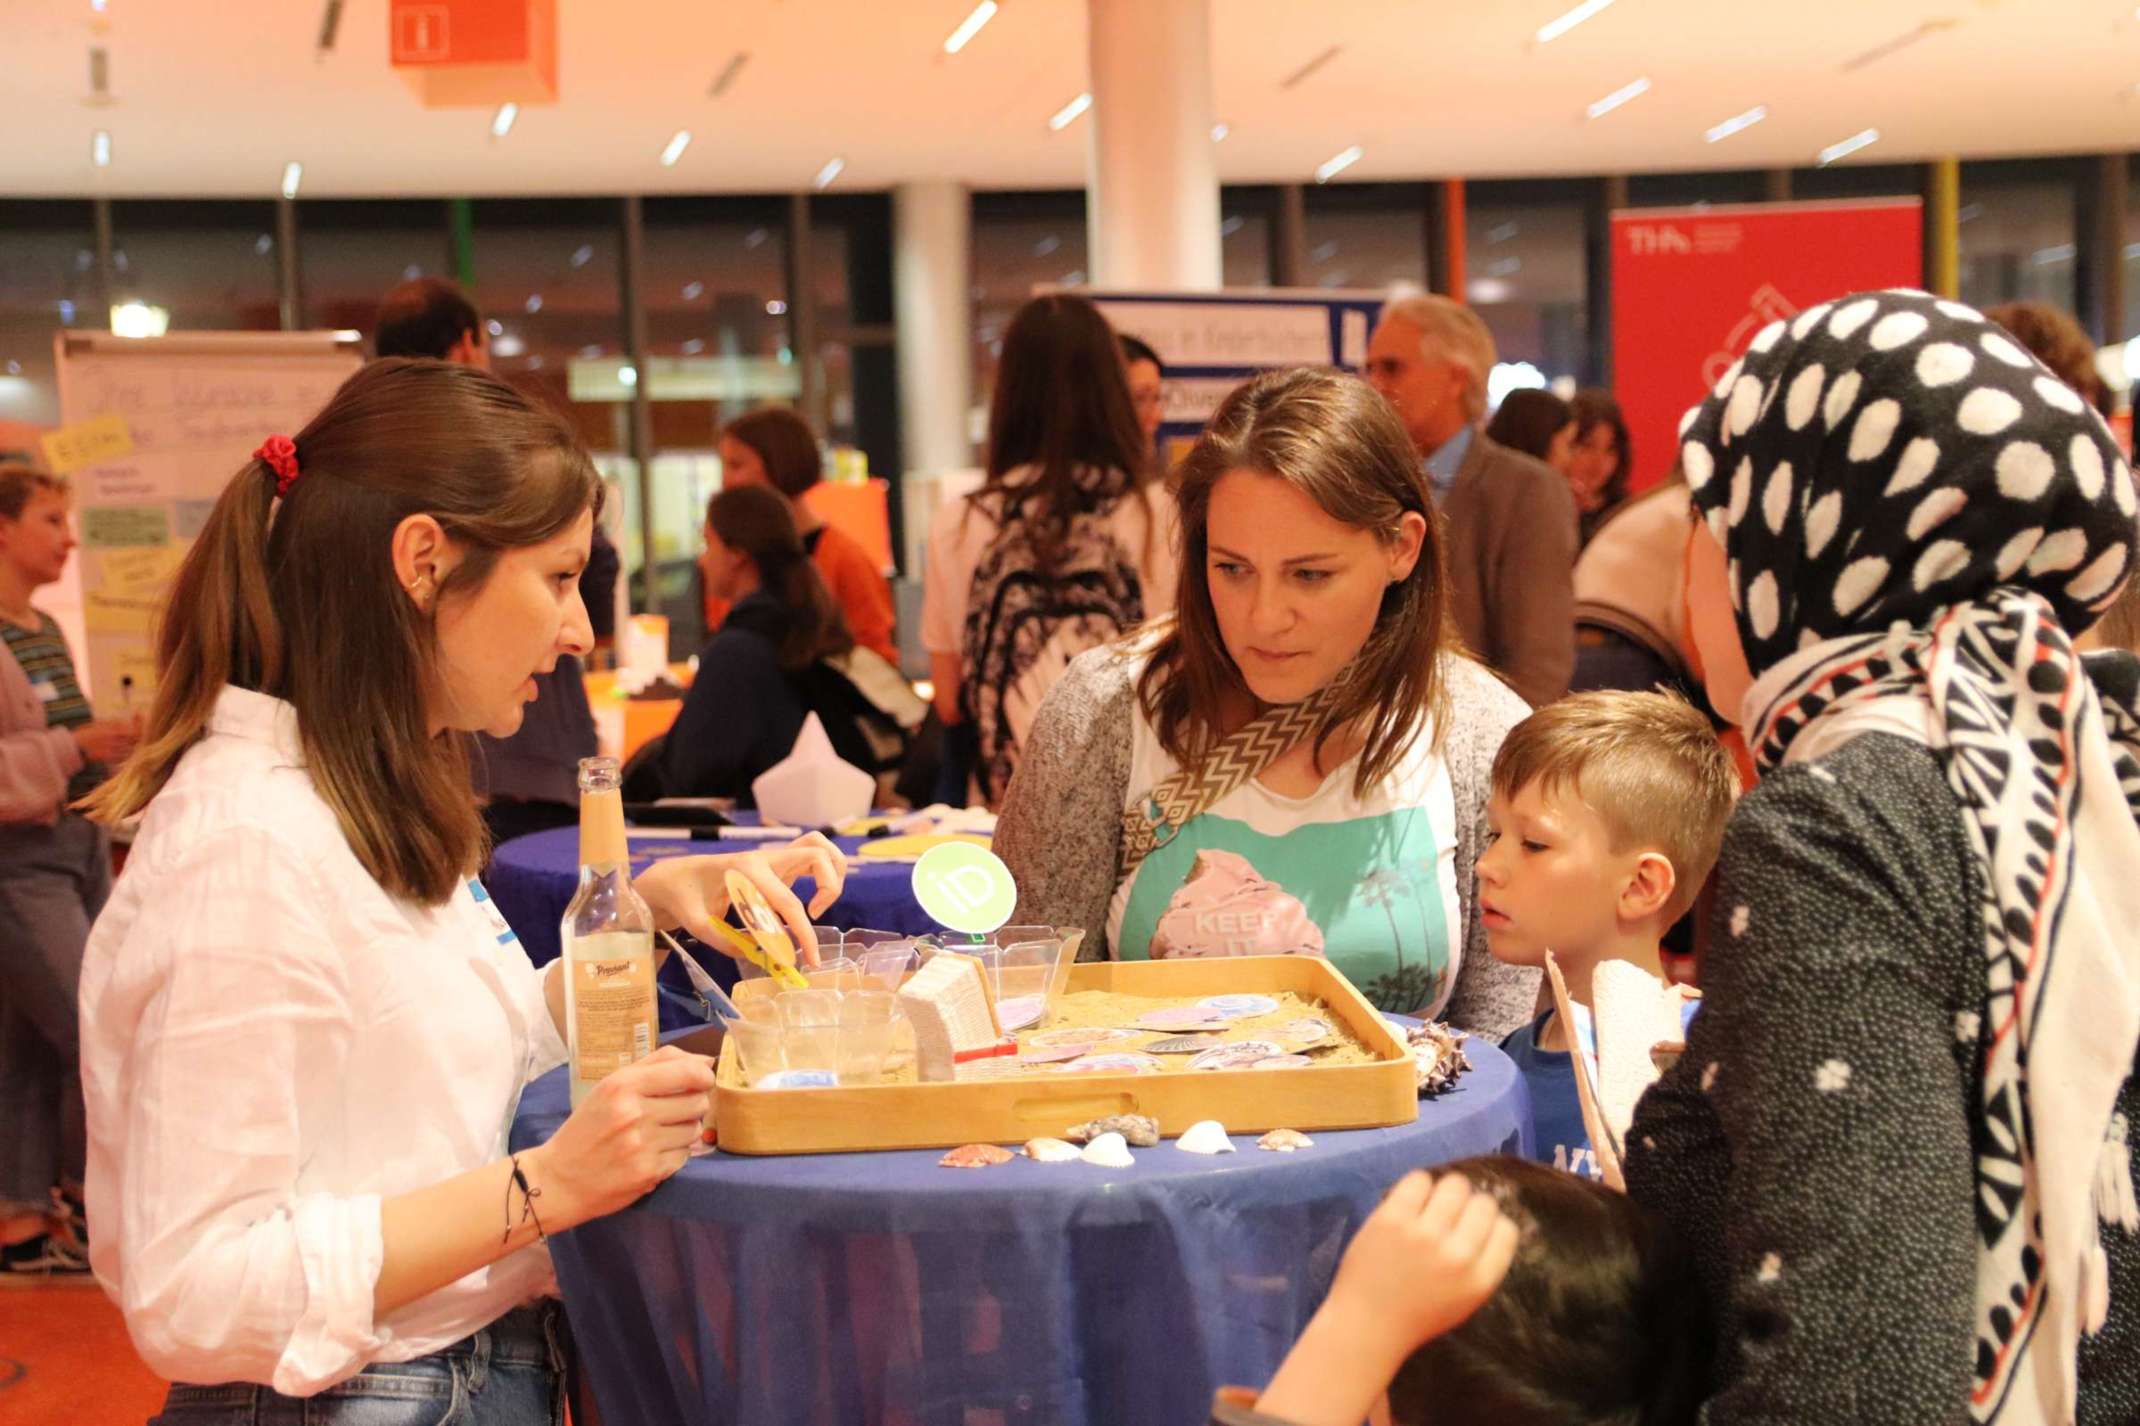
<point x="775" y="447"/>
<point x="1148" y="393"/>
<point x="1063" y="548"/>
<point x="1536" y="422"/>
<point x="783" y="652"/>
<point x="1600" y="460"/>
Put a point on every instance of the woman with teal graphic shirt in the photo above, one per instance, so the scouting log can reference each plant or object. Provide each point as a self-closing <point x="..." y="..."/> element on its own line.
<point x="1296" y="761"/>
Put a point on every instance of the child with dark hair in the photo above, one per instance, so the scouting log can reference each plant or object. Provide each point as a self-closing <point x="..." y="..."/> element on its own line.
<point x="1503" y="1293"/>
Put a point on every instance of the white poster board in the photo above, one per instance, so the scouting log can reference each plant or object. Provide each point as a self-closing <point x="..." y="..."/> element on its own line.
<point x="166" y="422"/>
<point x="1211" y="342"/>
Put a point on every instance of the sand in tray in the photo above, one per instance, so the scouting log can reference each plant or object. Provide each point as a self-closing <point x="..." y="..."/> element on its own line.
<point x="1101" y="1009"/>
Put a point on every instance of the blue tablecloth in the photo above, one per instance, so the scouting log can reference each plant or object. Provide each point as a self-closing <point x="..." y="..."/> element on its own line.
<point x="844" y="1289"/>
<point x="532" y="879"/>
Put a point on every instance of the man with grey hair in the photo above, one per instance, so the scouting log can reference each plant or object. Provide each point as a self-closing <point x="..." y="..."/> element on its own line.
<point x="1508" y="521"/>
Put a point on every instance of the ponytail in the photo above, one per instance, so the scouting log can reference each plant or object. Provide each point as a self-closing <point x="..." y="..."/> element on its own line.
<point x="296" y="599"/>
<point x="218" y="629"/>
<point x="756" y="521"/>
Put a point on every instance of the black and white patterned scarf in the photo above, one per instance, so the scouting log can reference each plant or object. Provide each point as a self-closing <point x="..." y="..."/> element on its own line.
<point x="1918" y="515"/>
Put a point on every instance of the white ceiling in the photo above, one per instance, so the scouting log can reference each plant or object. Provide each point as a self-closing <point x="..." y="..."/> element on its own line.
<point x="213" y="97"/>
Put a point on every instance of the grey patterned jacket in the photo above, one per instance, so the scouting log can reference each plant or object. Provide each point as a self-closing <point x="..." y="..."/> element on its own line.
<point x="1061" y="826"/>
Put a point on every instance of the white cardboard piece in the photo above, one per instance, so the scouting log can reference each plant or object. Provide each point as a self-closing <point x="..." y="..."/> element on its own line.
<point x="811" y="786"/>
<point x="1633" y="1013"/>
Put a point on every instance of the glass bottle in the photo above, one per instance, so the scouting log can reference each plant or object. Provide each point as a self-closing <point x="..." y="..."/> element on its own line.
<point x="608" y="939"/>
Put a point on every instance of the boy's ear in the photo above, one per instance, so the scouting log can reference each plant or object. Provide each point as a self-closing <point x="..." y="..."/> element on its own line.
<point x="1650" y="889"/>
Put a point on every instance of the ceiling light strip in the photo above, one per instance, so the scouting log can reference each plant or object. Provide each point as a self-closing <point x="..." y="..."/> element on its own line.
<point x="1554" y="29"/>
<point x="1737" y="123"/>
<point x="970" y="26"/>
<point x="1624" y="94"/>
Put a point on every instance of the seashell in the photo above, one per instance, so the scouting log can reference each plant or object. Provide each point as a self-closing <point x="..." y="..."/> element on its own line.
<point x="1120" y="1062"/>
<point x="1181" y="1045"/>
<point x="1058" y="1055"/>
<point x="1179" y="1018"/>
<point x="1236" y="1054"/>
<point x="1285" y="1141"/>
<point x="1136" y="1129"/>
<point x="1108" y="1151"/>
<point x="975" y="1156"/>
<point x="1050" y="1151"/>
<point x="1304" y="1032"/>
<point x="1238" y="1007"/>
<point x="1437" y="1056"/>
<point x="1083" y="1038"/>
<point x="1206" y="1136"/>
<point x="1277" y="1062"/>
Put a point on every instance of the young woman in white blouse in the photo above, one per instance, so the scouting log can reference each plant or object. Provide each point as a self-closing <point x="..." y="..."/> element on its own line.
<point x="304" y="1027"/>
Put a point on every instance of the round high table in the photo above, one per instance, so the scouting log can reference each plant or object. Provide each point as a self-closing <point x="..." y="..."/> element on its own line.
<point x="532" y="879"/>
<point x="844" y="1289"/>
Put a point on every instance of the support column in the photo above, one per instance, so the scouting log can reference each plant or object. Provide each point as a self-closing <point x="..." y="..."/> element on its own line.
<point x="107" y="289"/>
<point x="1447" y="260"/>
<point x="802" y="313"/>
<point x="288" y="283"/>
<point x="932" y="306"/>
<point x="639" y="417"/>
<point x="2105" y="241"/>
<point x="1289" y="237"/>
<point x="1943" y="227"/>
<point x="1776" y="185"/>
<point x="1153" y="209"/>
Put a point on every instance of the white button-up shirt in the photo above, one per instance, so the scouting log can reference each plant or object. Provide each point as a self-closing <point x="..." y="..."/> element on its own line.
<point x="271" y="1045"/>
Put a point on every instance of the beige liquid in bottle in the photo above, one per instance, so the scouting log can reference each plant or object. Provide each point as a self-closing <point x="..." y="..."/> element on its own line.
<point x="608" y="938"/>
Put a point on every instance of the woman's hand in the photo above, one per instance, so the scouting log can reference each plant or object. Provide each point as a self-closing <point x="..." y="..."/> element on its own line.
<point x="633" y="1131"/>
<point x="1425" y="1260"/>
<point x="690" y="892"/>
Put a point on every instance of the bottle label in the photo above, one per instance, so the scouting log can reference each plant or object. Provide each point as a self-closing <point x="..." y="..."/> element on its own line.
<point x="613" y="1013"/>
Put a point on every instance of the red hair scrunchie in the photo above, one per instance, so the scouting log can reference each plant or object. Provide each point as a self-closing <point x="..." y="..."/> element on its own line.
<point x="279" y="454"/>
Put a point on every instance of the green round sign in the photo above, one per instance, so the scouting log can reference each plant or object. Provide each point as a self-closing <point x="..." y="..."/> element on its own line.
<point x="964" y="887"/>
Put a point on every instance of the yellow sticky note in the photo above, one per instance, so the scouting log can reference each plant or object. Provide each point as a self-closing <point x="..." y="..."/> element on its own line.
<point x="88" y="443"/>
<point x="140" y="570"/>
<point x="107" y="613"/>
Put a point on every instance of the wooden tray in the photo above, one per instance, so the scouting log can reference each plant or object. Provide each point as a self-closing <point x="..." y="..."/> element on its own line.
<point x="1010" y="1111"/>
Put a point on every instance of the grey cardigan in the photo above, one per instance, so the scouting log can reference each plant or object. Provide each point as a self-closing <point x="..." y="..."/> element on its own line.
<point x="1508" y="536"/>
<point x="1061" y="827"/>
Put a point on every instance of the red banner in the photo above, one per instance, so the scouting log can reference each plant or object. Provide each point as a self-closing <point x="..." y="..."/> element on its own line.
<point x="1691" y="287"/>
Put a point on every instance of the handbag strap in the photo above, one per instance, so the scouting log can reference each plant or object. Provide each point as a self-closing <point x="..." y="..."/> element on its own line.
<point x="1241" y="755"/>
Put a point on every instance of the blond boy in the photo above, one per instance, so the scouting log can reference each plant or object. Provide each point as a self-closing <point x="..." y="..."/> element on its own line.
<point x="1605" y="817"/>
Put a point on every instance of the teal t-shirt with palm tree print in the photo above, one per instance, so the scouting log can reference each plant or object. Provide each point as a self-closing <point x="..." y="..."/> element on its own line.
<point x="1370" y="883"/>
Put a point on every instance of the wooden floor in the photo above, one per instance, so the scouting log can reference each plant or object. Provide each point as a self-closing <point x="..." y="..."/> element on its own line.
<point x="65" y="1361"/>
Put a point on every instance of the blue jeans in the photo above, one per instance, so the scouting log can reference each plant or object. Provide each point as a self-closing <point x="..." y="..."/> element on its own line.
<point x="509" y="1374"/>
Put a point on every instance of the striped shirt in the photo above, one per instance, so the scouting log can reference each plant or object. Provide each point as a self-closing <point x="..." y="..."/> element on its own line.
<point x="42" y="652"/>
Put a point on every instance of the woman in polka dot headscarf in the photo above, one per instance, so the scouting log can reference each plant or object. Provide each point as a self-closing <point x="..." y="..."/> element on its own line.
<point x="1898" y="1138"/>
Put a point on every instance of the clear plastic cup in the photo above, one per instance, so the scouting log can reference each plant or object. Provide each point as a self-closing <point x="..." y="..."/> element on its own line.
<point x="760" y="1049"/>
<point x="1027" y="967"/>
<point x="887" y="965"/>
<point x="868" y="1008"/>
<point x="810" y="1025"/>
<point x="808" y="1009"/>
<point x="863" y="1052"/>
<point x="834" y="973"/>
